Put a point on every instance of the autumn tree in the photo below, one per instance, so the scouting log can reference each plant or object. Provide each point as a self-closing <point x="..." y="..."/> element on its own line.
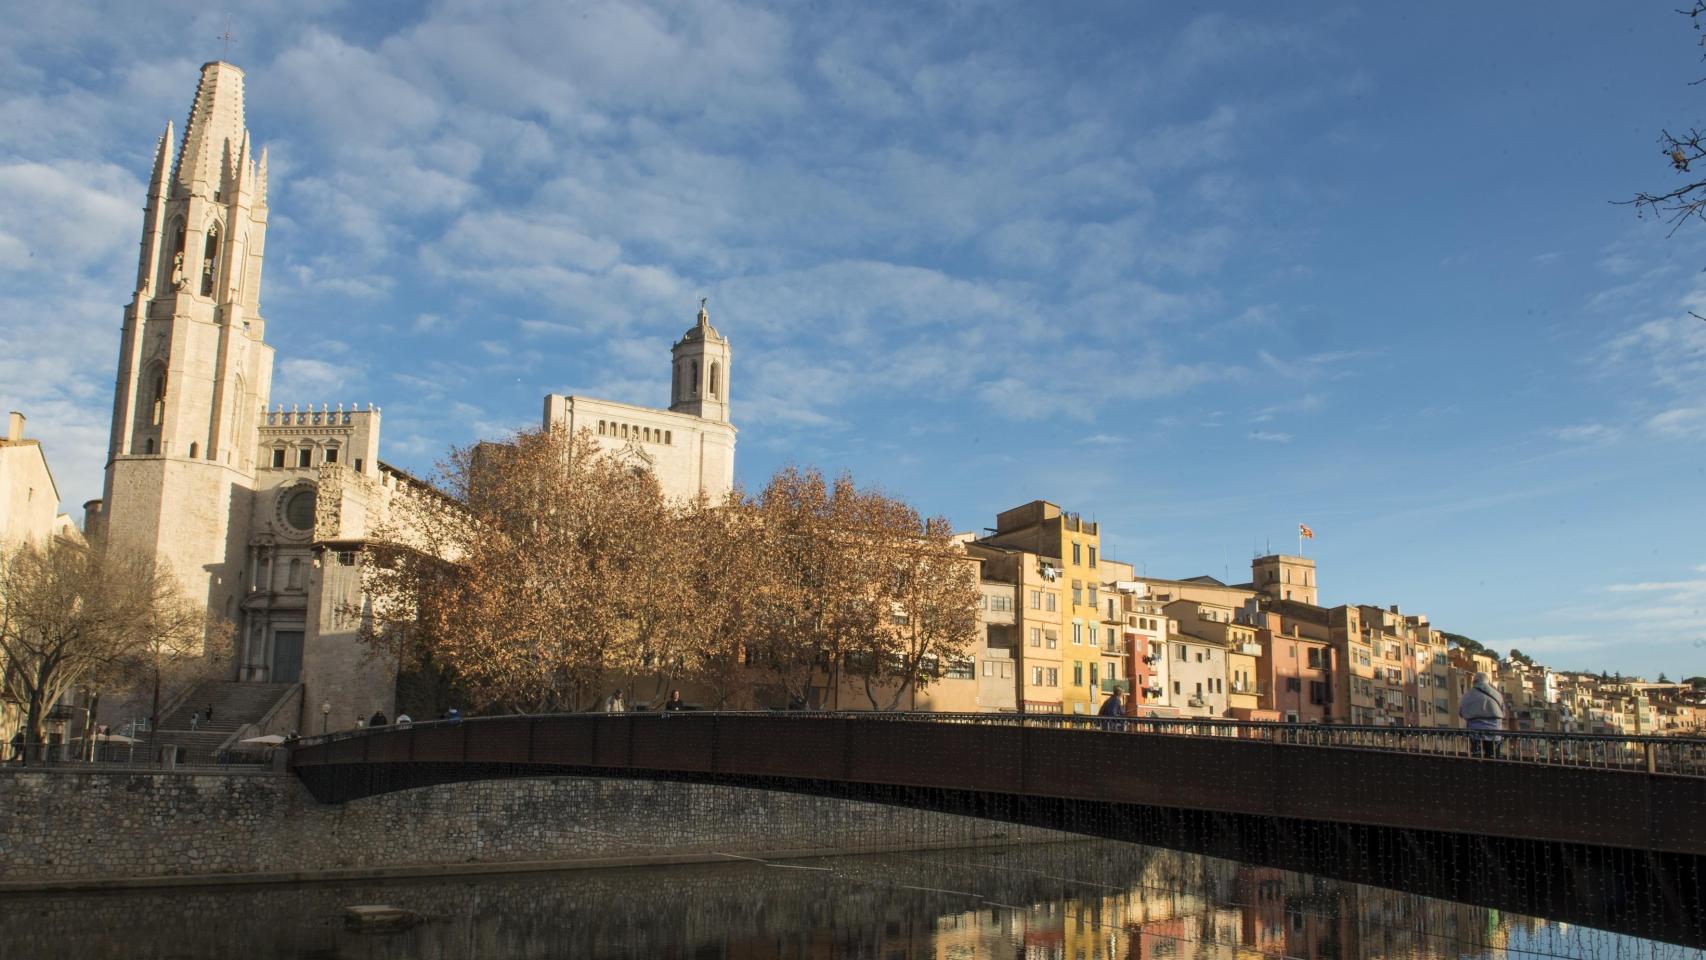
<point x="851" y="583"/>
<point x="75" y="616"/>
<point x="537" y="570"/>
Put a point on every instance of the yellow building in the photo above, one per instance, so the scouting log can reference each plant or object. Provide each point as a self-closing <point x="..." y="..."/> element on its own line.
<point x="1043" y="529"/>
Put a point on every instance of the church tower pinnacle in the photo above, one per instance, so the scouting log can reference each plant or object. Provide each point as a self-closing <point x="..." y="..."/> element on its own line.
<point x="700" y="379"/>
<point x="194" y="370"/>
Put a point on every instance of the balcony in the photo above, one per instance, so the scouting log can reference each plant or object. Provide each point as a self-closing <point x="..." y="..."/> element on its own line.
<point x="1195" y="702"/>
<point x="1249" y="649"/>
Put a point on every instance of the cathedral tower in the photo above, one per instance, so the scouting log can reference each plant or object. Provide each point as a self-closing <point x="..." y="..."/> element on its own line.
<point x="194" y="371"/>
<point x="700" y="384"/>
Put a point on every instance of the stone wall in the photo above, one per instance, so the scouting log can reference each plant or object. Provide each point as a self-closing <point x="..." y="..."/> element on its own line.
<point x="101" y="825"/>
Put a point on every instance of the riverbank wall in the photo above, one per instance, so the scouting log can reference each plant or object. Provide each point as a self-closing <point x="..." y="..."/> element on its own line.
<point x="79" y="828"/>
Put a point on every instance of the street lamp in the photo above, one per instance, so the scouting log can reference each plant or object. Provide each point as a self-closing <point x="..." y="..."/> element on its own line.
<point x="325" y="714"/>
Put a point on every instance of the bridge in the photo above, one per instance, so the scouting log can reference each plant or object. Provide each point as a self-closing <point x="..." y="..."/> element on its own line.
<point x="1604" y="831"/>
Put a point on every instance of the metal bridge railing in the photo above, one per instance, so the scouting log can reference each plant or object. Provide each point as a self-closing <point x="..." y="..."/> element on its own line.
<point x="1678" y="756"/>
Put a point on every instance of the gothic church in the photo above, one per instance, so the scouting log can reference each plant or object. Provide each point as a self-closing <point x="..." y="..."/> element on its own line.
<point x="261" y="512"/>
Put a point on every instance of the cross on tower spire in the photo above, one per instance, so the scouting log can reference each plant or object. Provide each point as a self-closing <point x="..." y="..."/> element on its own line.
<point x="227" y="38"/>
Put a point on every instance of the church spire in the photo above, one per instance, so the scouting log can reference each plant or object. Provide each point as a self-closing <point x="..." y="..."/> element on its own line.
<point x="215" y="128"/>
<point x="162" y="164"/>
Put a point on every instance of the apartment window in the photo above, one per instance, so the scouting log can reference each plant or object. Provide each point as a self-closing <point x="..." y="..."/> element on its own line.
<point x="1315" y="657"/>
<point x="1076" y="556"/>
<point x="1093" y="676"/>
<point x="1036" y="636"/>
<point x="1199" y="656"/>
<point x="278" y="457"/>
<point x="1092" y="557"/>
<point x="1036" y="676"/>
<point x="989" y="668"/>
<point x="1078" y="633"/>
<point x="1001" y="603"/>
<point x="1077" y="593"/>
<point x="1051" y="602"/>
<point x="304" y="457"/>
<point x="1293" y="685"/>
<point x="1095" y="639"/>
<point x="1053" y="639"/>
<point x="1112" y="613"/>
<point x="346" y="558"/>
<point x="1094" y="593"/>
<point x="1110" y="637"/>
<point x="961" y="668"/>
<point x="1006" y="669"/>
<point x="1078" y="674"/>
<point x="1320" y="693"/>
<point x="1053" y="677"/>
<point x="1113" y="670"/>
<point x="357" y="464"/>
<point x="1183" y="655"/>
<point x="1036" y="599"/>
<point x="1199" y="688"/>
<point x="1175" y="688"/>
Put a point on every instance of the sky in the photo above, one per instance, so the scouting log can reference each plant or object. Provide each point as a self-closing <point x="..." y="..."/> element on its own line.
<point x="1197" y="272"/>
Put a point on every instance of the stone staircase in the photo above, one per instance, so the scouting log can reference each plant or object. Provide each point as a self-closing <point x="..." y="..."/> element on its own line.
<point x="234" y="704"/>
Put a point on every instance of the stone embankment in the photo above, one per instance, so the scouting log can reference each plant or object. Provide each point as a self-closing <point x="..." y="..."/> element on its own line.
<point x="72" y="828"/>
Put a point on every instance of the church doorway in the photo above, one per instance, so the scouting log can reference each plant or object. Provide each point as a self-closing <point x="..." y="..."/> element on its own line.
<point x="286" y="656"/>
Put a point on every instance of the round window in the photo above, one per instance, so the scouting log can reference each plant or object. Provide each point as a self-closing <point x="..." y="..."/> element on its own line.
<point x="299" y="510"/>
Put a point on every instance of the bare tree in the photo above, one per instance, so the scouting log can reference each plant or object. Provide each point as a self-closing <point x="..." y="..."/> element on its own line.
<point x="935" y="614"/>
<point x="1687" y="200"/>
<point x="74" y="616"/>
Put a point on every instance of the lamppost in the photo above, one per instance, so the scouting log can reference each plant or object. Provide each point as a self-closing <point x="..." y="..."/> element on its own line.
<point x="325" y="714"/>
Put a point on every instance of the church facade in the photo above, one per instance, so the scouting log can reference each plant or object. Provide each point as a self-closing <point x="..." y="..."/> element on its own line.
<point x="262" y="512"/>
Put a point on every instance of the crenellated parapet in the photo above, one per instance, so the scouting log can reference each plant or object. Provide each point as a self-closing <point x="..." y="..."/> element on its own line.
<point x="305" y="438"/>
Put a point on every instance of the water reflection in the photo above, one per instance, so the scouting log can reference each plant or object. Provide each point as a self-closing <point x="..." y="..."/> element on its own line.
<point x="1084" y="900"/>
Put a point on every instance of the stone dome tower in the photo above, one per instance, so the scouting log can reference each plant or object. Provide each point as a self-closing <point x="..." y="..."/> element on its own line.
<point x="699" y="385"/>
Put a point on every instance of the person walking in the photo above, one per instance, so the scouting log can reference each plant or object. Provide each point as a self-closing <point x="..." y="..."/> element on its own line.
<point x="195" y="720"/>
<point x="1112" y="707"/>
<point x="614" y="703"/>
<point x="1483" y="710"/>
<point x="377" y="720"/>
<point x="674" y="701"/>
<point x="18" y="745"/>
<point x="453" y="716"/>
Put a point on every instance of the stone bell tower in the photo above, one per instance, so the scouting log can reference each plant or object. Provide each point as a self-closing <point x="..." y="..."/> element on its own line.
<point x="194" y="372"/>
<point x="700" y="384"/>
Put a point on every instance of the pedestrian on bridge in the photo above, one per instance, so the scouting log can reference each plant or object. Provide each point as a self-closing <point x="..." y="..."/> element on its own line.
<point x="614" y="703"/>
<point x="1484" y="711"/>
<point x="377" y="720"/>
<point x="674" y="701"/>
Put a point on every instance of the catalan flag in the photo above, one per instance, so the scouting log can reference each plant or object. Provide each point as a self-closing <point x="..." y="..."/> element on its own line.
<point x="1304" y="532"/>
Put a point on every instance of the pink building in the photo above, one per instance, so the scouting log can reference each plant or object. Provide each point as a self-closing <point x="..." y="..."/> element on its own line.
<point x="1295" y="670"/>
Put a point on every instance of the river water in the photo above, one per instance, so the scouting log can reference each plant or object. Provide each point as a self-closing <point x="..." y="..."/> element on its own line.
<point x="1079" y="900"/>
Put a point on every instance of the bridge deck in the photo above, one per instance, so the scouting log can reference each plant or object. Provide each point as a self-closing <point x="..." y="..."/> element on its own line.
<point x="1636" y="794"/>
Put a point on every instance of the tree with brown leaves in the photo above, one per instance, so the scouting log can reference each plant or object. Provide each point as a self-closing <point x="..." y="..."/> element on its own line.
<point x="534" y="576"/>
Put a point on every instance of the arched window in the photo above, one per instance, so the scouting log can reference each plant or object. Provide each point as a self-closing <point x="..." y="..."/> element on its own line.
<point x="195" y="450"/>
<point x="648" y="434"/>
<point x="693" y="389"/>
<point x="148" y="446"/>
<point x="172" y="264"/>
<point x="716" y="376"/>
<point x="666" y="438"/>
<point x="157" y="410"/>
<point x="601" y="428"/>
<point x="210" y="259"/>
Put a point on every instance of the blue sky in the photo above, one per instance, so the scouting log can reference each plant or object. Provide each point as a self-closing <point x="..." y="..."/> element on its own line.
<point x="1198" y="272"/>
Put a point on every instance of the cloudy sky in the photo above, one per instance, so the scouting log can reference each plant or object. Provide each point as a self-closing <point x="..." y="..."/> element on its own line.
<point x="1198" y="273"/>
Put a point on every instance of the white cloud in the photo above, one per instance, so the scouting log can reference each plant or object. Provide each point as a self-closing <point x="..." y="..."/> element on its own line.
<point x="1270" y="436"/>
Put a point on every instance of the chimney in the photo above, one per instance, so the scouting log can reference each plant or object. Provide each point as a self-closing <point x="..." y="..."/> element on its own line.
<point x="15" y="427"/>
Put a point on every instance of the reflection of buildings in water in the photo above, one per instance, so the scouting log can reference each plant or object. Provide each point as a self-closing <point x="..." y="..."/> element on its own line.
<point x="1070" y="901"/>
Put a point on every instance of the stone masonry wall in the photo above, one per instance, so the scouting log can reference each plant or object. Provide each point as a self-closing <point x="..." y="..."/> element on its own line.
<point x="90" y="825"/>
